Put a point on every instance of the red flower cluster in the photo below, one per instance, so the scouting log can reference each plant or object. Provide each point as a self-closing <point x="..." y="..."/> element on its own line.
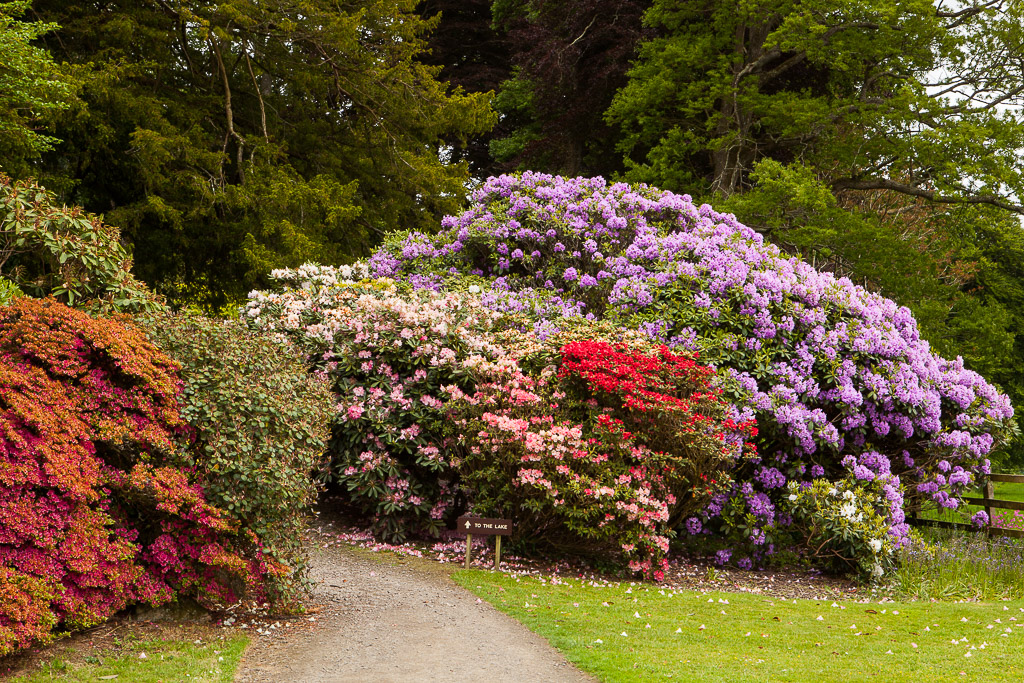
<point x="643" y="382"/>
<point x="662" y="382"/>
<point x="666" y="399"/>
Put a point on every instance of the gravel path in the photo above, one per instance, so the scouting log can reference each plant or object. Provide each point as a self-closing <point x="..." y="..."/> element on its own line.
<point x="398" y="619"/>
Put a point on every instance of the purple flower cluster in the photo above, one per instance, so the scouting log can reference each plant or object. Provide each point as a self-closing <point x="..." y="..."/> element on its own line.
<point x="837" y="376"/>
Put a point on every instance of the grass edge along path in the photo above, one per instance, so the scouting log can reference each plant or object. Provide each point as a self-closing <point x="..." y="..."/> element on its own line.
<point x="165" y="660"/>
<point x="645" y="632"/>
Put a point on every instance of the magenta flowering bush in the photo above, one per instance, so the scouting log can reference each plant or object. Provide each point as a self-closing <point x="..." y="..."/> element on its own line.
<point x="838" y="378"/>
<point x="95" y="513"/>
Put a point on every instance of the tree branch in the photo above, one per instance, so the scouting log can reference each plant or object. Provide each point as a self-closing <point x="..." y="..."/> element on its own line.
<point x="930" y="195"/>
<point x="961" y="109"/>
<point x="580" y="37"/>
<point x="259" y="94"/>
<point x="962" y="16"/>
<point x="782" y="68"/>
<point x="756" y="64"/>
<point x="231" y="132"/>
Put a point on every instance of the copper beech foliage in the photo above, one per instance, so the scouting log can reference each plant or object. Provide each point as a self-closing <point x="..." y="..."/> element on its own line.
<point x="90" y="521"/>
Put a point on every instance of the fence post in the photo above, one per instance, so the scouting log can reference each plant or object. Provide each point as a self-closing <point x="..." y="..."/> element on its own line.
<point x="990" y="493"/>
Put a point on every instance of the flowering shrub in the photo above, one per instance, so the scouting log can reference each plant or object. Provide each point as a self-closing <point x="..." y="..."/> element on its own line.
<point x="259" y="424"/>
<point x="88" y="521"/>
<point x="646" y="442"/>
<point x="387" y="354"/>
<point x="25" y="614"/>
<point x="440" y="400"/>
<point x="845" y="525"/>
<point x="837" y="377"/>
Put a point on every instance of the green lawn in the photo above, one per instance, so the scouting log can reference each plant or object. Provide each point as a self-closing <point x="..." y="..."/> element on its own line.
<point x="1009" y="491"/>
<point x="165" y="661"/>
<point x="625" y="632"/>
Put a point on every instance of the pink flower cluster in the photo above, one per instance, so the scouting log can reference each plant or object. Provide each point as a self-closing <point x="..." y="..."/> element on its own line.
<point x="388" y="355"/>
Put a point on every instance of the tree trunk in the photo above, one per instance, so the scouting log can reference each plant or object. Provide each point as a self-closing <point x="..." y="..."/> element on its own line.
<point x="736" y="156"/>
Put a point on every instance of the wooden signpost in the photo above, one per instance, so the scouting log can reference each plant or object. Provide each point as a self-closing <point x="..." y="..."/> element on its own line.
<point x="484" y="526"/>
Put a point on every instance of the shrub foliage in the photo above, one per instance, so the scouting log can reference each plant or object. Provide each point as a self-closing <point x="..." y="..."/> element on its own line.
<point x="258" y="427"/>
<point x="51" y="250"/>
<point x="844" y="391"/>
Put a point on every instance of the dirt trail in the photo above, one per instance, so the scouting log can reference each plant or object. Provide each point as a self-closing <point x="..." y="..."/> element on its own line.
<point x="390" y="619"/>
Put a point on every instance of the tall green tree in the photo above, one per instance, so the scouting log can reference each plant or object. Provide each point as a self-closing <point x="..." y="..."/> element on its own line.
<point x="568" y="60"/>
<point x="31" y="85"/>
<point x="229" y="138"/>
<point x="909" y="96"/>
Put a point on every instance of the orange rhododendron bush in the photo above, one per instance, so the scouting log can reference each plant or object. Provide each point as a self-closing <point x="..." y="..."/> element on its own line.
<point x="94" y="514"/>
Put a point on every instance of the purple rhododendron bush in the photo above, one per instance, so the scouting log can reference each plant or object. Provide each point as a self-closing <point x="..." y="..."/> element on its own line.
<point x="444" y="405"/>
<point x="841" y="385"/>
<point x="94" y="514"/>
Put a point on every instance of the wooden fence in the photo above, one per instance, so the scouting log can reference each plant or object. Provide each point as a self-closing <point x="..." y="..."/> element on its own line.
<point x="988" y="502"/>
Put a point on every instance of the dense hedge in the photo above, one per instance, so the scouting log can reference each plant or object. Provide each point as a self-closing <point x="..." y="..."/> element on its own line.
<point x="258" y="429"/>
<point x="91" y="517"/>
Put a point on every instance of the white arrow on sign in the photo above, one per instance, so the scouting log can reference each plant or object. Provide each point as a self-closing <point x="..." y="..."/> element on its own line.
<point x="468" y="524"/>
